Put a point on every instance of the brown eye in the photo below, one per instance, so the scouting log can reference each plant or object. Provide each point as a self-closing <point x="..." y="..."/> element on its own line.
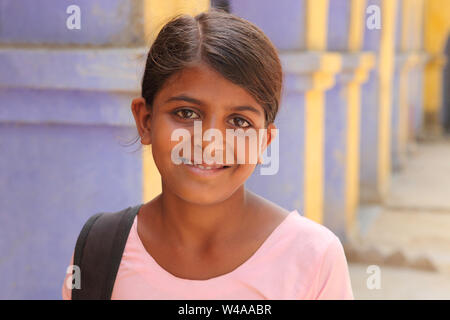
<point x="240" y="122"/>
<point x="186" y="114"/>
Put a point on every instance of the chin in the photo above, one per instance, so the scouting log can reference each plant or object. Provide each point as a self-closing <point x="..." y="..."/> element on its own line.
<point x="202" y="195"/>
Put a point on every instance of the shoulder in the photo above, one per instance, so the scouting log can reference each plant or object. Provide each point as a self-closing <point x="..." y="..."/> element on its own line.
<point x="311" y="232"/>
<point x="265" y="208"/>
<point x="327" y="264"/>
<point x="302" y="237"/>
<point x="319" y="260"/>
<point x="310" y="239"/>
<point x="309" y="260"/>
<point x="306" y="250"/>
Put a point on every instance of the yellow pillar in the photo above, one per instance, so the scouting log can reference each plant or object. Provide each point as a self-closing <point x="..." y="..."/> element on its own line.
<point x="157" y="13"/>
<point x="353" y="91"/>
<point x="385" y="65"/>
<point x="316" y="39"/>
<point x="316" y="24"/>
<point x="314" y="114"/>
<point x="437" y="27"/>
<point x="357" y="25"/>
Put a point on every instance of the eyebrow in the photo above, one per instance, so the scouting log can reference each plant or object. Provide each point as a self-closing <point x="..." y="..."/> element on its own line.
<point x="199" y="102"/>
<point x="185" y="98"/>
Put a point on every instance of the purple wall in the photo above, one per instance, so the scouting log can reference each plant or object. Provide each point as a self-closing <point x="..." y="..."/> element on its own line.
<point x="335" y="161"/>
<point x="282" y="21"/>
<point x="114" y="22"/>
<point x="368" y="171"/>
<point x="287" y="32"/>
<point x="338" y="25"/>
<point x="286" y="188"/>
<point x="64" y="119"/>
<point x="52" y="178"/>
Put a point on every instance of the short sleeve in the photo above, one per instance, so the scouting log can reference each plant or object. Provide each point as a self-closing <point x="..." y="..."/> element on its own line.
<point x="333" y="280"/>
<point x="66" y="288"/>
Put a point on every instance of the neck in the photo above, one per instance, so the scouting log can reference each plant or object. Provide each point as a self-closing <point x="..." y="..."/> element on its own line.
<point x="187" y="224"/>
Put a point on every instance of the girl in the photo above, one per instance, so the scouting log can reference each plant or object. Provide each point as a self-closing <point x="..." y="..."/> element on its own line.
<point x="205" y="236"/>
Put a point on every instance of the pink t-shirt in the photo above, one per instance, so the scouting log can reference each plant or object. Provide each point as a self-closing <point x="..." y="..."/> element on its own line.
<point x="301" y="259"/>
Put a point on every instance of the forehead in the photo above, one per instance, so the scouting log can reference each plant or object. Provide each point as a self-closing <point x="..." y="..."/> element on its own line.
<point x="205" y="84"/>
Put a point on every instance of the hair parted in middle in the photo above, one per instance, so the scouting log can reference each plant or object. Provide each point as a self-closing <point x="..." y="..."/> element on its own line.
<point x="232" y="46"/>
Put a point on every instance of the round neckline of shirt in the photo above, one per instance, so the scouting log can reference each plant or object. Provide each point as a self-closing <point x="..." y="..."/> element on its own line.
<point x="245" y="265"/>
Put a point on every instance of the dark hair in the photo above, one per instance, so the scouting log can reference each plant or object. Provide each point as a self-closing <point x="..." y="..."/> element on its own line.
<point x="232" y="46"/>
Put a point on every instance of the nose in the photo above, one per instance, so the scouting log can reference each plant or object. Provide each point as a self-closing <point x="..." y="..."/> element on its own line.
<point x="211" y="139"/>
<point x="212" y="126"/>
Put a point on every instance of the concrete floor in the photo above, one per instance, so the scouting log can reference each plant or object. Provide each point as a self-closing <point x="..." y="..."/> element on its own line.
<point x="408" y="237"/>
<point x="399" y="283"/>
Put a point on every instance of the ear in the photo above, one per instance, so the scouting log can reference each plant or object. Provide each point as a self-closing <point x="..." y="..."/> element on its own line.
<point x="268" y="138"/>
<point x="142" y="117"/>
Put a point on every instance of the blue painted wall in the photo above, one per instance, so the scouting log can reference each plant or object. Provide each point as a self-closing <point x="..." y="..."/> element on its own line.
<point x="65" y="120"/>
<point x="103" y="22"/>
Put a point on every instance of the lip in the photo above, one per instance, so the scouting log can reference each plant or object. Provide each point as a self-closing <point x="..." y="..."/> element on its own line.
<point x="214" y="171"/>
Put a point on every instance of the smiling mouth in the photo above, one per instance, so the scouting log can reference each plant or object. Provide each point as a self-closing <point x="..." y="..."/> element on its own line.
<point x="206" y="171"/>
<point x="205" y="166"/>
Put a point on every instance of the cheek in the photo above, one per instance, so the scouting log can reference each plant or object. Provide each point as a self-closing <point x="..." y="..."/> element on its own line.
<point x="162" y="144"/>
<point x="246" y="151"/>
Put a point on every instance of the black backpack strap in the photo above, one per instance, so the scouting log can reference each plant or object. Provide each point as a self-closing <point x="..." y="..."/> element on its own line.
<point x="99" y="250"/>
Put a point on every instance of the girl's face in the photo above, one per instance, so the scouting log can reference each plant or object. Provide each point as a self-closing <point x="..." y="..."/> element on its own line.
<point x="201" y="94"/>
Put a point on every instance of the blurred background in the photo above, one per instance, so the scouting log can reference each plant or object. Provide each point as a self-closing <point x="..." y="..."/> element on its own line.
<point x="364" y="122"/>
